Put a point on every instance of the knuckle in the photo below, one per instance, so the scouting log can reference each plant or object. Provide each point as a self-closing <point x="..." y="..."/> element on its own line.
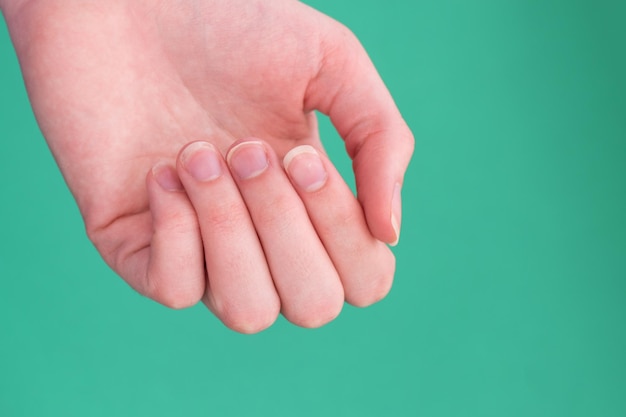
<point x="375" y="287"/>
<point x="279" y="213"/>
<point x="317" y="314"/>
<point x="377" y="290"/>
<point x="248" y="320"/>
<point x="178" y="301"/>
<point x="179" y="221"/>
<point x="227" y="218"/>
<point x="338" y="218"/>
<point x="173" y="297"/>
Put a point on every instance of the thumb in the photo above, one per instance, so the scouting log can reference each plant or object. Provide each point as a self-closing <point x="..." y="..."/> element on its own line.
<point x="349" y="90"/>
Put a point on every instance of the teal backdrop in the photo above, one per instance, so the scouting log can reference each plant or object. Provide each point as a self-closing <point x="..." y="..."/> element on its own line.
<point x="510" y="293"/>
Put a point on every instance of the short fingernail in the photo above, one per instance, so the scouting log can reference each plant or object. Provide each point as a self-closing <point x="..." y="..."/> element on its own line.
<point x="165" y="175"/>
<point x="202" y="161"/>
<point x="396" y="212"/>
<point x="305" y="168"/>
<point x="248" y="160"/>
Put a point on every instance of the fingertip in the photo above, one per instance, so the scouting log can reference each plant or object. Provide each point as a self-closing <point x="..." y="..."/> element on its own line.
<point x="316" y="311"/>
<point x="244" y="316"/>
<point x="378" y="283"/>
<point x="383" y="219"/>
<point x="173" y="297"/>
<point x="379" y="168"/>
<point x="250" y="319"/>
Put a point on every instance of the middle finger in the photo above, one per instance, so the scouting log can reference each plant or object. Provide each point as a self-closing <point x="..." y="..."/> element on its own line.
<point x="306" y="280"/>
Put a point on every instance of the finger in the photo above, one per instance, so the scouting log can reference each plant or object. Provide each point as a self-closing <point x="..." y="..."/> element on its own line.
<point x="349" y="90"/>
<point x="174" y="274"/>
<point x="241" y="292"/>
<point x="307" y="282"/>
<point x="365" y="264"/>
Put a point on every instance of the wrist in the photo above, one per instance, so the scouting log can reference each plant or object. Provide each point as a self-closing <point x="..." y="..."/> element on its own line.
<point x="10" y="7"/>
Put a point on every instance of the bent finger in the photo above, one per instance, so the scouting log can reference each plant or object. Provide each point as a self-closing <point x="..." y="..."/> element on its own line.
<point x="174" y="264"/>
<point x="307" y="282"/>
<point x="349" y="89"/>
<point x="366" y="265"/>
<point x="241" y="292"/>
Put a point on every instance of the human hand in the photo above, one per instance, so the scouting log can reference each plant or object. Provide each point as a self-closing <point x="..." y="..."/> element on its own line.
<point x="120" y="87"/>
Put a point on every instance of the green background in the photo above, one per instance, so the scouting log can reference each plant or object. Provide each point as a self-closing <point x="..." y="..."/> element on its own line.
<point x="510" y="295"/>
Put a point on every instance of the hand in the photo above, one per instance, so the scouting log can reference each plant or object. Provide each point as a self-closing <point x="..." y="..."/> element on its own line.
<point x="119" y="88"/>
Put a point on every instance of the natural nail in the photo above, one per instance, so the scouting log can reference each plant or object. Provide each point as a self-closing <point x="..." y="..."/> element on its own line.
<point x="202" y="161"/>
<point x="248" y="159"/>
<point x="305" y="167"/>
<point x="396" y="211"/>
<point x="165" y="175"/>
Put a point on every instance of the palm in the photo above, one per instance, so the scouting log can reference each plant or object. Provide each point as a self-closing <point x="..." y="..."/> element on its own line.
<point x="167" y="79"/>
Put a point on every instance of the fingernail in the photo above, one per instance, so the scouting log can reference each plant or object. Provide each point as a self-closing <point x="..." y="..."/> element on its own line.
<point x="396" y="212"/>
<point x="305" y="168"/>
<point x="248" y="160"/>
<point x="202" y="161"/>
<point x="165" y="175"/>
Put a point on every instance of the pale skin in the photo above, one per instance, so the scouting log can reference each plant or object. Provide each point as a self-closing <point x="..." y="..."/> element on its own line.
<point x="186" y="132"/>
